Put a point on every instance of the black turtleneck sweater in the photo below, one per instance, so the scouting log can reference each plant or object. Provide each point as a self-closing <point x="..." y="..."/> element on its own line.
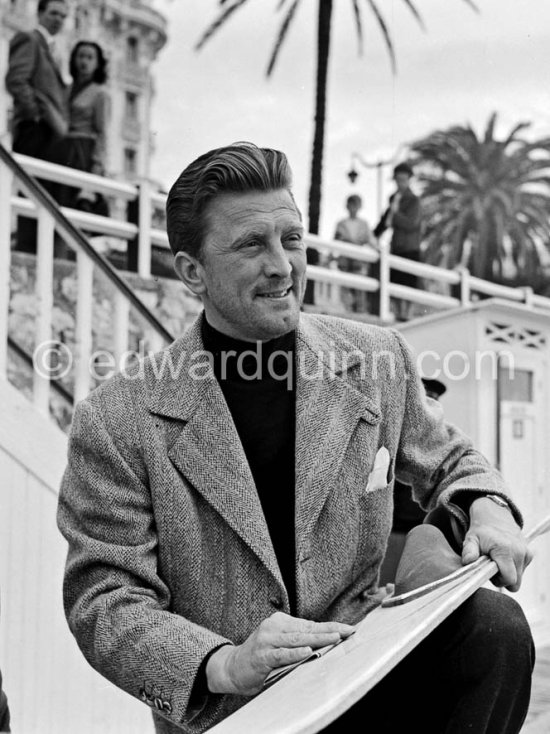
<point x="259" y="389"/>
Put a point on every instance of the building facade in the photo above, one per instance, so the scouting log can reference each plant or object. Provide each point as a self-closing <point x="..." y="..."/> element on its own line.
<point x="131" y="33"/>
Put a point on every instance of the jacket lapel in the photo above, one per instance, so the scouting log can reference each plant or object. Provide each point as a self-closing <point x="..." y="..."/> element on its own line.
<point x="207" y="449"/>
<point x="50" y="56"/>
<point x="328" y="410"/>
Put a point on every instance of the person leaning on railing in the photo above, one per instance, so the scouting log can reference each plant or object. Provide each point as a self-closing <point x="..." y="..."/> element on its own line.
<point x="403" y="216"/>
<point x="355" y="230"/>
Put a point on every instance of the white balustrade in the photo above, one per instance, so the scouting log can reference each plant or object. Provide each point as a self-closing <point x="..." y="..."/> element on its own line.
<point x="120" y="331"/>
<point x="44" y="348"/>
<point x="145" y="211"/>
<point x="6" y="180"/>
<point x="328" y="279"/>
<point x="83" y="328"/>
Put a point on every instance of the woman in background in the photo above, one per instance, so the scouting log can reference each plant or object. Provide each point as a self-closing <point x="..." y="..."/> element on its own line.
<point x="85" y="146"/>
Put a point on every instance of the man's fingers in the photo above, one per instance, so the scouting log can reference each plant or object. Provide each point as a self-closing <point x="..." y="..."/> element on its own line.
<point x="511" y="580"/>
<point x="308" y="639"/>
<point x="470" y="549"/>
<point x="507" y="571"/>
<point x="344" y="630"/>
<point x="284" y="623"/>
<point x="286" y="656"/>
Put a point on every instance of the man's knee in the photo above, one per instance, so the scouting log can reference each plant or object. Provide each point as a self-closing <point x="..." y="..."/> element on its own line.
<point x="496" y="622"/>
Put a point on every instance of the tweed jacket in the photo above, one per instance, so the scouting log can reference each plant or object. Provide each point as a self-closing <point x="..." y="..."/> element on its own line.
<point x="35" y="83"/>
<point x="406" y="224"/>
<point x="169" y="552"/>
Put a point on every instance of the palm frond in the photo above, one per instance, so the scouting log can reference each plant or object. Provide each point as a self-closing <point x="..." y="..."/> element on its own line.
<point x="512" y="135"/>
<point x="281" y="36"/>
<point x="358" y="26"/>
<point x="218" y="22"/>
<point x="472" y="5"/>
<point x="490" y="129"/>
<point x="416" y="14"/>
<point x="385" y="33"/>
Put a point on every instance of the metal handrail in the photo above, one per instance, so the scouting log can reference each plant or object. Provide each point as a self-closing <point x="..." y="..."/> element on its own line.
<point x="77" y="240"/>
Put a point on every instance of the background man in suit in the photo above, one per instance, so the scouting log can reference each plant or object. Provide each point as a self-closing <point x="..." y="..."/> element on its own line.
<point x="403" y="216"/>
<point x="228" y="503"/>
<point x="40" y="113"/>
<point x="35" y="82"/>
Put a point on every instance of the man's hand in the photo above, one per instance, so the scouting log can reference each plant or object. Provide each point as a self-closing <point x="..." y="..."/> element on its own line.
<point x="494" y="532"/>
<point x="279" y="640"/>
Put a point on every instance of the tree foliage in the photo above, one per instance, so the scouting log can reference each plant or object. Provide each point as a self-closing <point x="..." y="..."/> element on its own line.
<point x="492" y="194"/>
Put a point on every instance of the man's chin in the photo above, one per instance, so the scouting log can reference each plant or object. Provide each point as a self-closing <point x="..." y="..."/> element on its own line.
<point x="278" y="324"/>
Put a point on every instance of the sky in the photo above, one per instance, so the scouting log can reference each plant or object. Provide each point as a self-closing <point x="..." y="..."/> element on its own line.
<point x="460" y="69"/>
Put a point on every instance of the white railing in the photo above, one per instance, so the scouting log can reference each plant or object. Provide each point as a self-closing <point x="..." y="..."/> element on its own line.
<point x="141" y="237"/>
<point x="132" y="323"/>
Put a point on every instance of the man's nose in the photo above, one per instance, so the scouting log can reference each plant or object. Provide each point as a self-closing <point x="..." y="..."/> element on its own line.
<point x="277" y="262"/>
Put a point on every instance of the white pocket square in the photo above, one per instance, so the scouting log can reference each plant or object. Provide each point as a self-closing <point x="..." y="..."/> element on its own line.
<point x="378" y="478"/>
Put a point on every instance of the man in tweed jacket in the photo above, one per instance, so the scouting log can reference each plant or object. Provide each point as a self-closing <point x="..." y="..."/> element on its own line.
<point x="178" y="584"/>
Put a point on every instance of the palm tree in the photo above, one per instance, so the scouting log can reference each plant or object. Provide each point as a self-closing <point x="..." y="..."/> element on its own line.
<point x="324" y="27"/>
<point x="492" y="194"/>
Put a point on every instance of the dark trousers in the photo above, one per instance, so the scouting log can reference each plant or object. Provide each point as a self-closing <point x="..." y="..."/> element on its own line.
<point x="35" y="139"/>
<point x="471" y="674"/>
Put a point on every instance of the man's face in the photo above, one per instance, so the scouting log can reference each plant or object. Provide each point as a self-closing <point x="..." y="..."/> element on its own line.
<point x="253" y="264"/>
<point x="353" y="208"/>
<point x="402" y="181"/>
<point x="53" y="17"/>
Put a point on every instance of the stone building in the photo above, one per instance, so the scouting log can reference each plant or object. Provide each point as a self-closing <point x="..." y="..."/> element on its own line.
<point x="132" y="33"/>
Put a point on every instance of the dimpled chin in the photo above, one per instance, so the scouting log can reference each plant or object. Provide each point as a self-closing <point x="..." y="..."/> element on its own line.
<point x="274" y="324"/>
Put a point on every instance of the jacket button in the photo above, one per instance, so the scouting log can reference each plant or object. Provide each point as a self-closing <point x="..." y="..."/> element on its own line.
<point x="277" y="602"/>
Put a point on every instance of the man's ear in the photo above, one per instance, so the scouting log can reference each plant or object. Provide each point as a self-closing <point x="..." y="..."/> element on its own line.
<point x="190" y="271"/>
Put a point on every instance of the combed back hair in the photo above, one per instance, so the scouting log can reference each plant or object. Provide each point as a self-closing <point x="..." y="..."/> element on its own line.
<point x="403" y="168"/>
<point x="43" y="5"/>
<point x="236" y="168"/>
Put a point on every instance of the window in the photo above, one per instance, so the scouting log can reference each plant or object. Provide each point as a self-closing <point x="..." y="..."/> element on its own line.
<point x="130" y="161"/>
<point x="132" y="50"/>
<point x="516" y="385"/>
<point x="131" y="106"/>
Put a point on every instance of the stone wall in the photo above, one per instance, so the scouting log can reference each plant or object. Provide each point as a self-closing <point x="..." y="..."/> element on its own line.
<point x="168" y="299"/>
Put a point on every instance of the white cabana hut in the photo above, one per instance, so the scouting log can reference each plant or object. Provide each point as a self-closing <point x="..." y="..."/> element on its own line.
<point x="494" y="359"/>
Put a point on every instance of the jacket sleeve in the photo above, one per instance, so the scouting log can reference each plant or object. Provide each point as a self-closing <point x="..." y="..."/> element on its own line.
<point x="382" y="226"/>
<point x="408" y="215"/>
<point x="436" y="458"/>
<point x="22" y="61"/>
<point x="117" y="605"/>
